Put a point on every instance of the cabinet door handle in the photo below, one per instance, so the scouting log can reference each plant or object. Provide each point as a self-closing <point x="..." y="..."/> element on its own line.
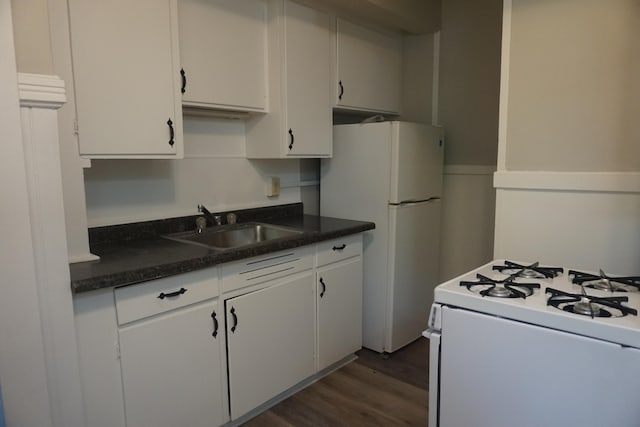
<point x="339" y="248"/>
<point x="215" y="324"/>
<point x="184" y="80"/>
<point x="341" y="90"/>
<point x="235" y="319"/>
<point x="292" y="139"/>
<point x="171" y="133"/>
<point x="324" y="287"/>
<point x="172" y="294"/>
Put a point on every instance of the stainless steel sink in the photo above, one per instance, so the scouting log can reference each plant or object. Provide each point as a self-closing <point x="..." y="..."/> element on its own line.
<point x="234" y="236"/>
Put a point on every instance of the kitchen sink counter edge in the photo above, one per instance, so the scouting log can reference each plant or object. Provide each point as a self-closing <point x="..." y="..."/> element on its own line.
<point x="127" y="262"/>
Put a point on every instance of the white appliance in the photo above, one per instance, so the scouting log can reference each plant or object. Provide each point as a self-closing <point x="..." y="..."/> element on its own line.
<point x="390" y="173"/>
<point x="511" y="347"/>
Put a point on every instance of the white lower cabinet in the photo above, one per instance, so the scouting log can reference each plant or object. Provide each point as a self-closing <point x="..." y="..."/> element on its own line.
<point x="172" y="369"/>
<point x="201" y="348"/>
<point x="339" y="293"/>
<point x="171" y="345"/>
<point x="270" y="341"/>
<point x="339" y="299"/>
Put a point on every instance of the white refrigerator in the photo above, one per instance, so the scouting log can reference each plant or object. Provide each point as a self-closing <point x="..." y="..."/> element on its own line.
<point x="390" y="173"/>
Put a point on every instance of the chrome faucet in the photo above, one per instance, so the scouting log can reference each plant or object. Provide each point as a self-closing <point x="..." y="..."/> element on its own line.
<point x="215" y="219"/>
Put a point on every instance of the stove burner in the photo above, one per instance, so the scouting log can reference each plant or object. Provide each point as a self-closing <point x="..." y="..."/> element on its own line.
<point x="533" y="271"/>
<point x="589" y="309"/>
<point x="500" y="292"/>
<point x="505" y="288"/>
<point x="606" y="283"/>
<point x="588" y="305"/>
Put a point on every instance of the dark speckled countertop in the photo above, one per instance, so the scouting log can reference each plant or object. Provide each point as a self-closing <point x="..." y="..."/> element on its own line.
<point x="134" y="253"/>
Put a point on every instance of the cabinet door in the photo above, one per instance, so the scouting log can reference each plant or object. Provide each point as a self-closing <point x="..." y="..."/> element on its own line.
<point x="339" y="296"/>
<point x="270" y="341"/>
<point x="126" y="78"/>
<point x="223" y="53"/>
<point x="299" y="123"/>
<point x="308" y="81"/>
<point x="172" y="369"/>
<point x="369" y="69"/>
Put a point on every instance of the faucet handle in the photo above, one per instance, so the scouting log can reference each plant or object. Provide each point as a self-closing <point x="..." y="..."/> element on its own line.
<point x="201" y="224"/>
<point x="231" y="218"/>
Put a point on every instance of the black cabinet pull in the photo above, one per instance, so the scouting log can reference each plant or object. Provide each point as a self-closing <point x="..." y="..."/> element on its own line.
<point x="215" y="324"/>
<point x="172" y="294"/>
<point x="171" y="133"/>
<point x="291" y="139"/>
<point x="184" y="80"/>
<point x="235" y="319"/>
<point x="341" y="90"/>
<point x="339" y="248"/>
<point x="324" y="287"/>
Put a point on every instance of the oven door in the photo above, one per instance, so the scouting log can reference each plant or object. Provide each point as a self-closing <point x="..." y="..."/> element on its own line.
<point x="498" y="372"/>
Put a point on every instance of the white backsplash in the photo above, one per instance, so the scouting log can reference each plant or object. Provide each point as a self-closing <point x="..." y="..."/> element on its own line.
<point x="214" y="173"/>
<point x="576" y="227"/>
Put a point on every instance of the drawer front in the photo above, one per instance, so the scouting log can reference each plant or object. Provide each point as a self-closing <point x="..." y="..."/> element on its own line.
<point x="260" y="269"/>
<point x="147" y="299"/>
<point x="338" y="249"/>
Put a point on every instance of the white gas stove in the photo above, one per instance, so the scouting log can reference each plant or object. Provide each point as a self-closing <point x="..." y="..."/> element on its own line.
<point x="510" y="297"/>
<point x="518" y="343"/>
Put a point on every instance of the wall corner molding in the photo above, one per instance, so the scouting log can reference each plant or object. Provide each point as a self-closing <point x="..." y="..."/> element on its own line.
<point x="41" y="91"/>
<point x="601" y="182"/>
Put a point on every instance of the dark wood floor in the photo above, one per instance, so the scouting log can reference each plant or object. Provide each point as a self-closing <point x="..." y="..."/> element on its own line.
<point x="371" y="391"/>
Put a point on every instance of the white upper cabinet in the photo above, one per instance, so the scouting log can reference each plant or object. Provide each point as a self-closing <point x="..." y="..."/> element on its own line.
<point x="126" y="78"/>
<point x="368" y="69"/>
<point x="223" y="54"/>
<point x="299" y="123"/>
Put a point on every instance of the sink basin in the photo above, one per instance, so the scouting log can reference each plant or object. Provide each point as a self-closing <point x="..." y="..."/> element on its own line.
<point x="234" y="236"/>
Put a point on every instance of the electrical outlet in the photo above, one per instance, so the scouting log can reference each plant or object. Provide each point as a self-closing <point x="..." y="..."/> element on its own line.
<point x="273" y="187"/>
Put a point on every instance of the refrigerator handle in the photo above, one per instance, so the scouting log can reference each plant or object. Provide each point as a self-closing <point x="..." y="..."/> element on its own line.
<point x="416" y="202"/>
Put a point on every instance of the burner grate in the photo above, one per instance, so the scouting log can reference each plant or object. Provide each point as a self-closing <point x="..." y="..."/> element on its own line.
<point x="533" y="271"/>
<point x="605" y="282"/>
<point x="588" y="305"/>
<point x="505" y="288"/>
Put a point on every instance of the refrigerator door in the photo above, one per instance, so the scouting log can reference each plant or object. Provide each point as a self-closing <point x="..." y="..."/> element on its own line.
<point x="417" y="153"/>
<point x="414" y="235"/>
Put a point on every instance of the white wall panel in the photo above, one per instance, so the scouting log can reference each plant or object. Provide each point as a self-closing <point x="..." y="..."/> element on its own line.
<point x="580" y="229"/>
<point x="467" y="219"/>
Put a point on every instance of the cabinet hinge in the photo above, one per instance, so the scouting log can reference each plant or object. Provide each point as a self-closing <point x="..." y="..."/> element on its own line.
<point x="75" y="126"/>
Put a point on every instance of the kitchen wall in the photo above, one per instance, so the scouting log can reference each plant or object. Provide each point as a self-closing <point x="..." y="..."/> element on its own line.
<point x="467" y="99"/>
<point x="463" y="101"/>
<point x="214" y="173"/>
<point x="32" y="37"/>
<point x="568" y="180"/>
<point x="574" y="91"/>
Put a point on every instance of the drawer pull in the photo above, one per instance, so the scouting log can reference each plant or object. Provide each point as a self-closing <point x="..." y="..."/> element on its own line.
<point x="324" y="287"/>
<point x="215" y="324"/>
<point x="235" y="319"/>
<point x="172" y="294"/>
<point x="339" y="248"/>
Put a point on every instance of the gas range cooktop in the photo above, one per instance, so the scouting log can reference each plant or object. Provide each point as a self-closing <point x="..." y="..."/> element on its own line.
<point x="593" y="304"/>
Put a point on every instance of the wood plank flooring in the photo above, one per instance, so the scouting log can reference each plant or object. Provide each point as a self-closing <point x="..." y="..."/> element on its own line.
<point x="371" y="391"/>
